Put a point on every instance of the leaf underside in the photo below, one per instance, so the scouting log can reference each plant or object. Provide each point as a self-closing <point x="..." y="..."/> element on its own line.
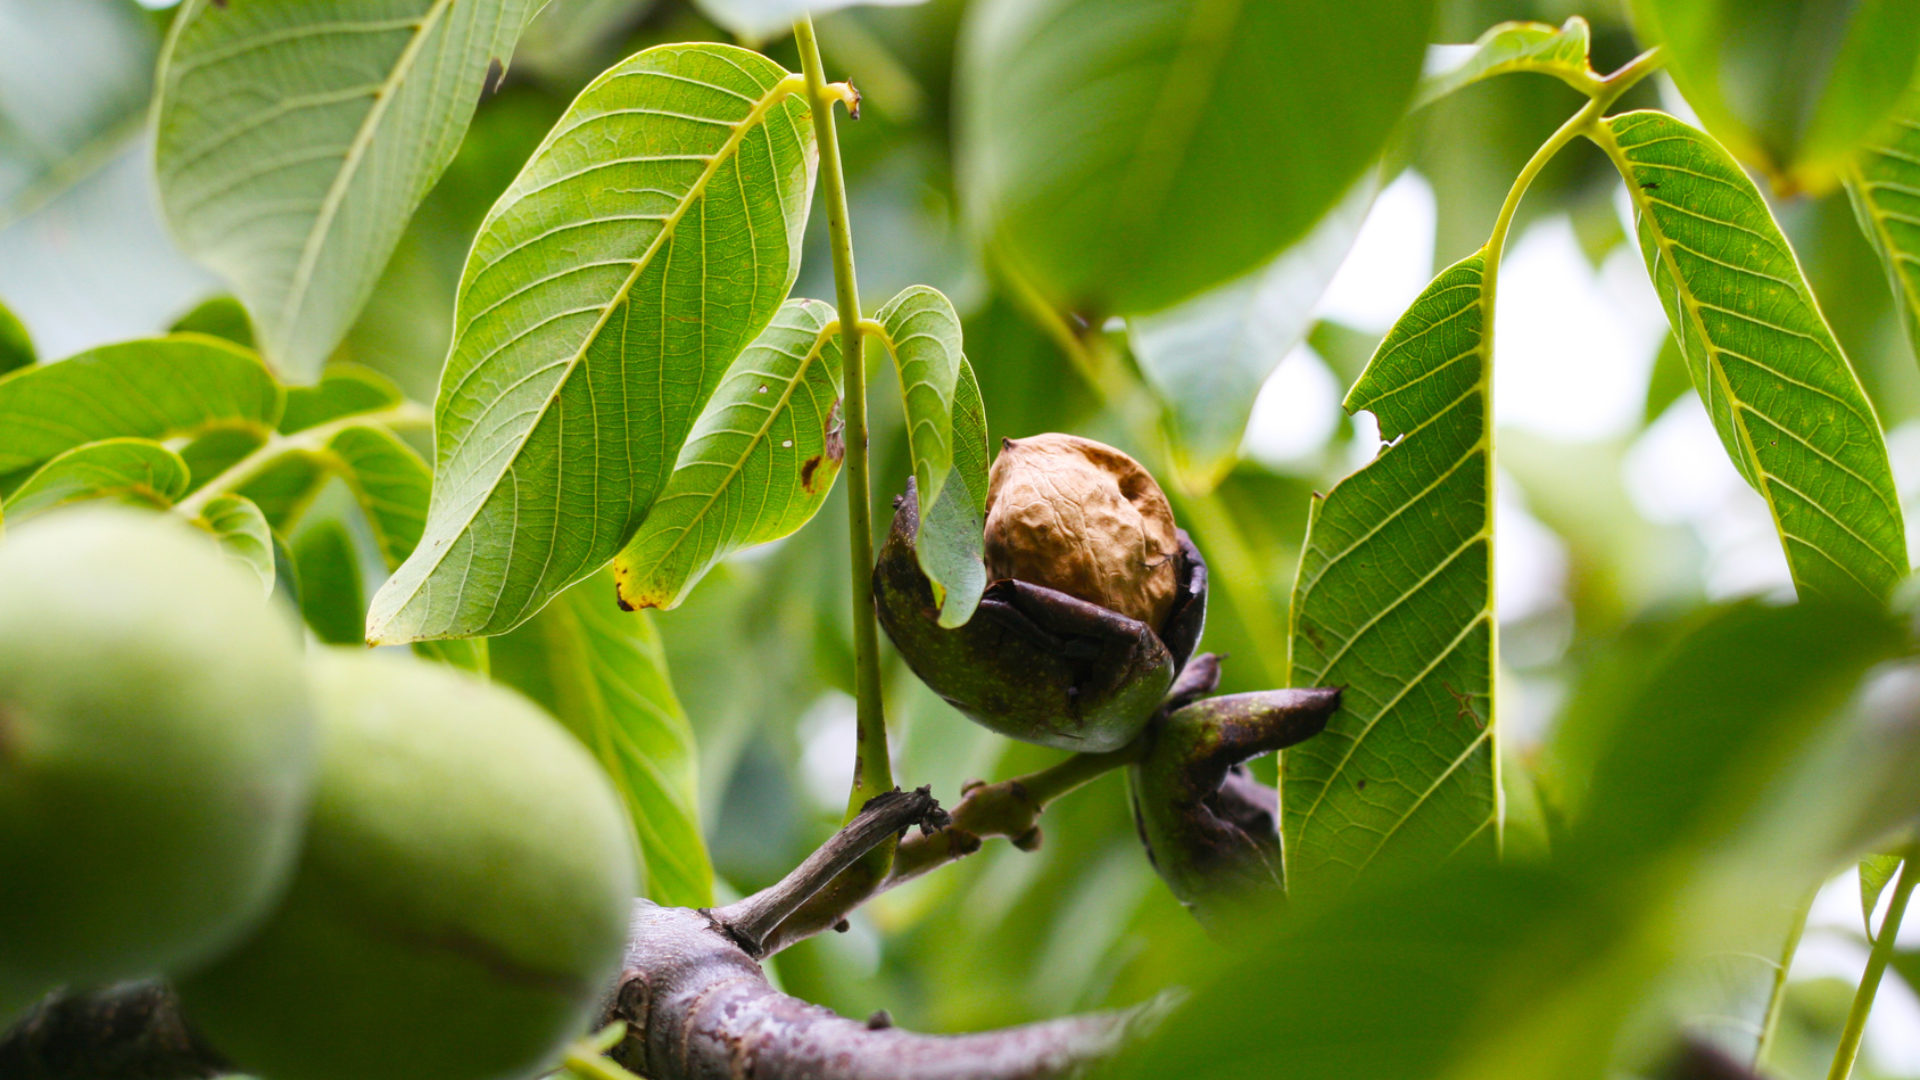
<point x="1514" y="47"/>
<point x="296" y="138"/>
<point x="951" y="544"/>
<point x="757" y="466"/>
<point x="1787" y="405"/>
<point x="1394" y="603"/>
<point x="647" y="242"/>
<point x="242" y="533"/>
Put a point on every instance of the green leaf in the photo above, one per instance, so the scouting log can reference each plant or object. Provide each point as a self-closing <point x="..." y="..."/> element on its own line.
<point x="649" y="240"/>
<point x="16" y="345"/>
<point x="1394" y="602"/>
<point x="950" y="546"/>
<point x="242" y="533"/>
<point x="160" y="388"/>
<point x="1790" y="87"/>
<point x="1121" y="156"/>
<point x="286" y="489"/>
<point x="218" y="316"/>
<point x="296" y="137"/>
<point x="603" y="673"/>
<point x="758" y="464"/>
<point x="390" y="483"/>
<point x="923" y="335"/>
<point x="1207" y="357"/>
<point x="343" y="390"/>
<point x="1876" y="873"/>
<point x="1787" y="404"/>
<point x="1669" y="381"/>
<point x="332" y="594"/>
<point x="135" y="470"/>
<point x="1883" y="182"/>
<point x="1518" y="46"/>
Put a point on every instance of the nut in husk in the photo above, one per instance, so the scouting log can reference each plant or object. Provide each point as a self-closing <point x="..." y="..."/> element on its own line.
<point x="1084" y="519"/>
<point x="1210" y="829"/>
<point x="1036" y="662"/>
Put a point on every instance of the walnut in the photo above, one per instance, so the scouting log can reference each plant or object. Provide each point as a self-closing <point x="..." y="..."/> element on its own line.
<point x="1084" y="519"/>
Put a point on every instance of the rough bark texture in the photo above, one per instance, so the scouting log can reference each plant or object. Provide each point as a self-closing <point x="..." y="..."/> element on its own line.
<point x="698" y="1008"/>
<point x="129" y="1032"/>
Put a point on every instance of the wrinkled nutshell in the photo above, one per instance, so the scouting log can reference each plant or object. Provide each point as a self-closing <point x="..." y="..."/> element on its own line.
<point x="156" y="750"/>
<point x="461" y="904"/>
<point x="1211" y="830"/>
<point x="1035" y="663"/>
<point x="1082" y="518"/>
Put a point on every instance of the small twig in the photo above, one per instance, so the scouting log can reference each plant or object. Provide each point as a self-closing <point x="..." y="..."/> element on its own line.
<point x="883" y="818"/>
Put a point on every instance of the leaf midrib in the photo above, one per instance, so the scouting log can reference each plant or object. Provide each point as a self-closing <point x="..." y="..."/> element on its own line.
<point x="350" y="166"/>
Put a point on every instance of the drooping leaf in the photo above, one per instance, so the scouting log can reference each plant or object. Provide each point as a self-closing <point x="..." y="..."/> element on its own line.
<point x="603" y="673"/>
<point x="923" y="336"/>
<point x="1518" y="46"/>
<point x="390" y="483"/>
<point x="1208" y="356"/>
<point x="1394" y="602"/>
<point x="758" y="464"/>
<point x="763" y="20"/>
<point x="16" y="345"/>
<point x="332" y="594"/>
<point x="1876" y="873"/>
<point x="296" y="137"/>
<point x="135" y="470"/>
<point x="649" y="240"/>
<point x="218" y="316"/>
<point x="242" y="533"/>
<point x="343" y="390"/>
<point x="1124" y="155"/>
<point x="159" y="388"/>
<point x="950" y="546"/>
<point x="1792" y="87"/>
<point x="1788" y="407"/>
<point x="1883" y="182"/>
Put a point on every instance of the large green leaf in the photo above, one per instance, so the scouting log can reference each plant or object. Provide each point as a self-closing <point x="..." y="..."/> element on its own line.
<point x="1790" y="86"/>
<point x="390" y="483"/>
<point x="1394" y="602"/>
<point x="649" y="240"/>
<point x="296" y="137"/>
<point x="136" y="470"/>
<point x="1518" y="46"/>
<point x="242" y="533"/>
<point x="159" y="388"/>
<point x="1883" y="182"/>
<point x="757" y="466"/>
<point x="1787" y="404"/>
<point x="343" y="390"/>
<point x="1123" y="155"/>
<point x="1208" y="356"/>
<point x="603" y="673"/>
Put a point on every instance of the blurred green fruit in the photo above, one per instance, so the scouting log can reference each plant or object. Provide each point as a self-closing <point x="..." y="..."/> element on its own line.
<point x="461" y="904"/>
<point x="156" y="749"/>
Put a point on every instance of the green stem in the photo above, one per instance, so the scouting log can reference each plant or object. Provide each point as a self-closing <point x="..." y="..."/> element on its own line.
<point x="1849" y="1047"/>
<point x="278" y="446"/>
<point x="872" y="766"/>
<point x="1777" y="997"/>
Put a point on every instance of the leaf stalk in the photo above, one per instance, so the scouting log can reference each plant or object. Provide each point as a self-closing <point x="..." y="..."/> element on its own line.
<point x="1856" y="1026"/>
<point x="872" y="765"/>
<point x="278" y="446"/>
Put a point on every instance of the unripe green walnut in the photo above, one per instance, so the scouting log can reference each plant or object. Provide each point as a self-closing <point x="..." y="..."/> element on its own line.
<point x="462" y="901"/>
<point x="155" y="750"/>
<point x="1085" y="519"/>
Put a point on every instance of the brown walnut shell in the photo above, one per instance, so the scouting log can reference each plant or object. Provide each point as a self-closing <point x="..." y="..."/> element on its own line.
<point x="1033" y="663"/>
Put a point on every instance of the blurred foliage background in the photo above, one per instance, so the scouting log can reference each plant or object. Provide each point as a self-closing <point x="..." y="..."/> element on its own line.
<point x="1619" y="511"/>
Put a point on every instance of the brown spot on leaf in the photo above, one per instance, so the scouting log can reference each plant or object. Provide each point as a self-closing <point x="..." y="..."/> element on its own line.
<point x="806" y="471"/>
